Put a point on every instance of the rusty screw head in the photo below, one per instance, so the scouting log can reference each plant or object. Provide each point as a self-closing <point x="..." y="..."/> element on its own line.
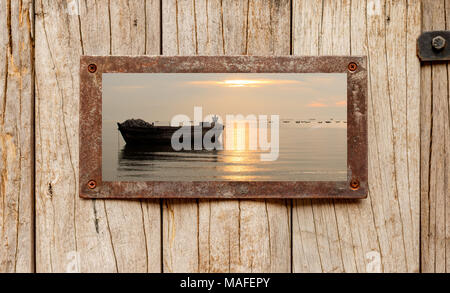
<point x="354" y="184"/>
<point x="438" y="43"/>
<point x="352" y="66"/>
<point x="92" y="68"/>
<point x="92" y="184"/>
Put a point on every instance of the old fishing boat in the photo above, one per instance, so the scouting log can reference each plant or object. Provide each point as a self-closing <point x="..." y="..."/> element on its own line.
<point x="137" y="132"/>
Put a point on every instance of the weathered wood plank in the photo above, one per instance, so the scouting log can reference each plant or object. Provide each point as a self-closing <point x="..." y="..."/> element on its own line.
<point x="226" y="236"/>
<point x="380" y="233"/>
<point x="213" y="236"/>
<point x="16" y="136"/>
<point x="435" y="151"/>
<point x="75" y="234"/>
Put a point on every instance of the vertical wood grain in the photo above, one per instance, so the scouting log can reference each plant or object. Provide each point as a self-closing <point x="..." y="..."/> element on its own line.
<point x="225" y="235"/>
<point x="16" y="136"/>
<point x="380" y="233"/>
<point x="435" y="150"/>
<point x="74" y="234"/>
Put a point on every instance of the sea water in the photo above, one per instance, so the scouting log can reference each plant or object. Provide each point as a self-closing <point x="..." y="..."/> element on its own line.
<point x="307" y="152"/>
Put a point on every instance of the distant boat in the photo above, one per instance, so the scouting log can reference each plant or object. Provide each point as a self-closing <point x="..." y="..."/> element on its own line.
<point x="139" y="132"/>
<point x="320" y="122"/>
<point x="327" y="121"/>
<point x="345" y="121"/>
<point x="286" y="121"/>
<point x="298" y="122"/>
<point x="337" y="121"/>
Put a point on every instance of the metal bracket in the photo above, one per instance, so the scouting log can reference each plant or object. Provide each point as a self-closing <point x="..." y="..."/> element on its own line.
<point x="434" y="46"/>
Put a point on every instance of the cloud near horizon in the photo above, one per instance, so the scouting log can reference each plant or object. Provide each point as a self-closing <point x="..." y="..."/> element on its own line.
<point x="322" y="105"/>
<point x="243" y="82"/>
<point x="316" y="105"/>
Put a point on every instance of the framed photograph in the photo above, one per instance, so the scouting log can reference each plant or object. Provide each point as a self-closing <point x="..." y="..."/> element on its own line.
<point x="223" y="127"/>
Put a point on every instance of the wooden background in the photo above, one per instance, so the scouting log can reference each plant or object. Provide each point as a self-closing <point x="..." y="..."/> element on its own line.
<point x="403" y="226"/>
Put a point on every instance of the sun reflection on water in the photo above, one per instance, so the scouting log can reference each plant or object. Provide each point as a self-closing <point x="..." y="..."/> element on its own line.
<point x="238" y="158"/>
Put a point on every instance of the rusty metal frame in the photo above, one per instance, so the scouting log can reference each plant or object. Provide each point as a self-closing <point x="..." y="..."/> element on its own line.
<point x="90" y="155"/>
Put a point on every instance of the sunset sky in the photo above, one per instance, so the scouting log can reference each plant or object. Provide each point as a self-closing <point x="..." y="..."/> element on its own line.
<point x="160" y="96"/>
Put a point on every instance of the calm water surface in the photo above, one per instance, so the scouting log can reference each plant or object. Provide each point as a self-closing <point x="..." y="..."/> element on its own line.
<point x="306" y="154"/>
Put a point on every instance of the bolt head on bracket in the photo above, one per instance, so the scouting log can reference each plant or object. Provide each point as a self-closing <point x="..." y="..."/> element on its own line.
<point x="432" y="46"/>
<point x="438" y="43"/>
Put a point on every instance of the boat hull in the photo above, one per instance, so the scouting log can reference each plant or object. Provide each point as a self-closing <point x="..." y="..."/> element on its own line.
<point x="160" y="135"/>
